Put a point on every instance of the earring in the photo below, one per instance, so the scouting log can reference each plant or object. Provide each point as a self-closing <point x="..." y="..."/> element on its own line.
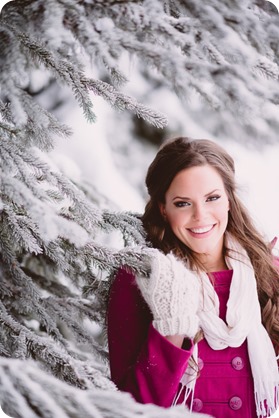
<point x="161" y="237"/>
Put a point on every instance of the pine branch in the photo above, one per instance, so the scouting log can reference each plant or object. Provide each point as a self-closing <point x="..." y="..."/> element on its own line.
<point x="54" y="357"/>
<point x="27" y="389"/>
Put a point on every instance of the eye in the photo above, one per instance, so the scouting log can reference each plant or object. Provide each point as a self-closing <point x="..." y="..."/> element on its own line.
<point x="181" y="204"/>
<point x="213" y="198"/>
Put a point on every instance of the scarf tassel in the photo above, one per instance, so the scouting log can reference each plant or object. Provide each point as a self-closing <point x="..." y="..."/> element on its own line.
<point x="188" y="392"/>
<point x="267" y="408"/>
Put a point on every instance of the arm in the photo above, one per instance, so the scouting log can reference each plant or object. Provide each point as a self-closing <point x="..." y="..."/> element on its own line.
<point x="142" y="361"/>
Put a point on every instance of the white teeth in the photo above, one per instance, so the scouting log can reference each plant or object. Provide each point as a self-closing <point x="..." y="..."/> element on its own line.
<point x="201" y="230"/>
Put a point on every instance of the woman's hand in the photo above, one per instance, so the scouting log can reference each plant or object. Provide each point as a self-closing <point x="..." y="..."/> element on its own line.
<point x="172" y="292"/>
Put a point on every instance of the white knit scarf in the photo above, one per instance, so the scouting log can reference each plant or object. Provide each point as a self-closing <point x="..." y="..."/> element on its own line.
<point x="243" y="321"/>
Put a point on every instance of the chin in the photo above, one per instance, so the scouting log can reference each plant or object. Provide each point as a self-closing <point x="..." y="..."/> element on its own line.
<point x="203" y="249"/>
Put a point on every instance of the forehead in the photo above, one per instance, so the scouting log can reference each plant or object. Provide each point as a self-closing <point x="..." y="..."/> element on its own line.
<point x="201" y="179"/>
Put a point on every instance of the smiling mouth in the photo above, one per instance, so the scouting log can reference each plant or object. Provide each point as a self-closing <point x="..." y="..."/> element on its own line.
<point x="203" y="230"/>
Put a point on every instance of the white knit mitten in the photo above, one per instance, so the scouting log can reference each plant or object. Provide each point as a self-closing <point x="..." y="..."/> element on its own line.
<point x="172" y="293"/>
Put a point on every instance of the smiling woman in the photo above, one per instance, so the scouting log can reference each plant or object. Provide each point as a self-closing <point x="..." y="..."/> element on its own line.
<point x="203" y="328"/>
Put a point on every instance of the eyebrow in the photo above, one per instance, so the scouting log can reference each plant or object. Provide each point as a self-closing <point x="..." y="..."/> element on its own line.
<point x="188" y="198"/>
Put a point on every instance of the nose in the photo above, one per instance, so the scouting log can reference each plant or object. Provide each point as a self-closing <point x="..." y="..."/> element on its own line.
<point x="199" y="212"/>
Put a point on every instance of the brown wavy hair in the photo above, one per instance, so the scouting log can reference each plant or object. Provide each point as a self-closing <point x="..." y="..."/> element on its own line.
<point x="181" y="153"/>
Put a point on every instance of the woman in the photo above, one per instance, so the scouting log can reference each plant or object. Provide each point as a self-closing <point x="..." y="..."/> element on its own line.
<point x="203" y="329"/>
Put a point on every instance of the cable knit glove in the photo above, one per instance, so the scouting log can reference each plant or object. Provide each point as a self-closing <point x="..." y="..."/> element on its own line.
<point x="172" y="293"/>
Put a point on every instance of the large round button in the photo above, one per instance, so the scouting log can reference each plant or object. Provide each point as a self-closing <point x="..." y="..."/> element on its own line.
<point x="200" y="363"/>
<point x="197" y="405"/>
<point x="235" y="403"/>
<point x="237" y="363"/>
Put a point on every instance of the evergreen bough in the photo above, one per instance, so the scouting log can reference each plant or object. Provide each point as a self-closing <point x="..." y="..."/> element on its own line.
<point x="54" y="271"/>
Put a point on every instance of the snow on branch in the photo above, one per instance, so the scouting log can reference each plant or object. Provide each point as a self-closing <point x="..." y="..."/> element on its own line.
<point x="27" y="389"/>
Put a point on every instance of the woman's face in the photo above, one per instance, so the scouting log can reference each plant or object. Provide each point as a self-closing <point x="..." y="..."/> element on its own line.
<point x="196" y="208"/>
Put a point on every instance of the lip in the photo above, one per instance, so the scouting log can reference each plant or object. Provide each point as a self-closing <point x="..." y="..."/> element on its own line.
<point x="203" y="234"/>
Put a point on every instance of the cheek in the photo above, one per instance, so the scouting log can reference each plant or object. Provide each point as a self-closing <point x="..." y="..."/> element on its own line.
<point x="177" y="219"/>
<point x="222" y="213"/>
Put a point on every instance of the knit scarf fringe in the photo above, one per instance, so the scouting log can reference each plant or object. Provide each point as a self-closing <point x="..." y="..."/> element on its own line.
<point x="243" y="321"/>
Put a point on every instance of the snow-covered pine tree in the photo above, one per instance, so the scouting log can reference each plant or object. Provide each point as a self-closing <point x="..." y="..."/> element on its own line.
<point x="55" y="273"/>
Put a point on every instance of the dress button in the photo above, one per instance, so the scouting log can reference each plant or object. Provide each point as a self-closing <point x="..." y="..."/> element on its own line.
<point x="200" y="363"/>
<point x="237" y="363"/>
<point x="235" y="403"/>
<point x="197" y="405"/>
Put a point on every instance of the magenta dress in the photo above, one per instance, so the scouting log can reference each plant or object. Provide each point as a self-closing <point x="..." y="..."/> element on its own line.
<point x="148" y="366"/>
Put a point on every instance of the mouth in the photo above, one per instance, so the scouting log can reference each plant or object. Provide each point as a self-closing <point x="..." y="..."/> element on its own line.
<point x="201" y="232"/>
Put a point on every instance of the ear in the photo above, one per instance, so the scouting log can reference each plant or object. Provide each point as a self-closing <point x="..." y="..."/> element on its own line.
<point x="162" y="208"/>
